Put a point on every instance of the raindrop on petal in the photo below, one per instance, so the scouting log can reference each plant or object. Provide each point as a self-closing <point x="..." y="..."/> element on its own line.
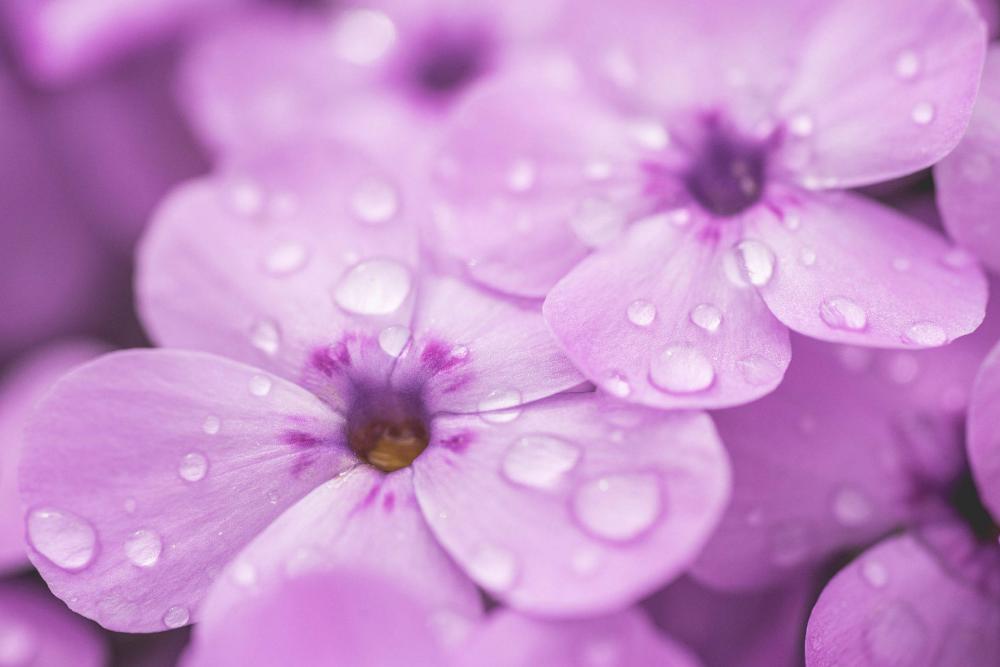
<point x="923" y="113"/>
<point x="539" y="461"/>
<point x="707" y="317"/>
<point x="926" y="334"/>
<point x="842" y="313"/>
<point x="501" y="406"/>
<point x="260" y="385"/>
<point x="641" y="313"/>
<point x="286" y="259"/>
<point x="193" y="467"/>
<point x="494" y="568"/>
<point x="619" y="507"/>
<point x="375" y="201"/>
<point x="681" y="369"/>
<point x="393" y="340"/>
<point x="756" y="262"/>
<point x="373" y="287"/>
<point x="265" y="337"/>
<point x="64" y="538"/>
<point x="176" y="617"/>
<point x="143" y="548"/>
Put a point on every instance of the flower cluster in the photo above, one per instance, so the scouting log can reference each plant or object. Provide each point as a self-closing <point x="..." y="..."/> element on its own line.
<point x="500" y="333"/>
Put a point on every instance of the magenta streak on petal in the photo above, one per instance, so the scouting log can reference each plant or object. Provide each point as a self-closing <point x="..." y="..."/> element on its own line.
<point x="438" y="357"/>
<point x="300" y="438"/>
<point x="457" y="442"/>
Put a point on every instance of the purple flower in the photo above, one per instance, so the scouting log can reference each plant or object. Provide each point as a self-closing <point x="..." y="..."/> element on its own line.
<point x="678" y="198"/>
<point x="347" y="618"/>
<point x="381" y="71"/>
<point x="347" y="407"/>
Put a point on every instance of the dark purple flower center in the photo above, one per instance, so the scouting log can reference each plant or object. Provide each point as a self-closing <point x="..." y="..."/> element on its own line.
<point x="388" y="433"/>
<point x="727" y="175"/>
<point x="449" y="60"/>
<point x="964" y="499"/>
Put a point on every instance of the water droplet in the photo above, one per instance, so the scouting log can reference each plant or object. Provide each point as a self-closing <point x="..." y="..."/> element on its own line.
<point x="875" y="573"/>
<point x="706" y="317"/>
<point x="807" y="257"/>
<point x="792" y="221"/>
<point x="907" y="65"/>
<point x="373" y="287"/>
<point x="265" y="337"/>
<point x="801" y="125"/>
<point x="756" y="262"/>
<point x="260" y="385"/>
<point x="211" y="425"/>
<point x="539" y="460"/>
<point x="244" y="573"/>
<point x="193" y="467"/>
<point x="176" y="617"/>
<point x="851" y="507"/>
<point x="393" y="340"/>
<point x="143" y="548"/>
<point x="839" y="312"/>
<point x="501" y="406"/>
<point x="758" y="370"/>
<point x="617" y="385"/>
<point x="679" y="217"/>
<point x="597" y="170"/>
<point x="895" y="636"/>
<point x="923" y="113"/>
<point x="597" y="222"/>
<point x="286" y="258"/>
<point x="619" y="507"/>
<point x="641" y="313"/>
<point x="246" y="198"/>
<point x="375" y="201"/>
<point x="789" y="544"/>
<point x="926" y="334"/>
<point x="650" y="134"/>
<point x="681" y="369"/>
<point x="362" y="36"/>
<point x="64" y="538"/>
<point x="521" y="176"/>
<point x="494" y="568"/>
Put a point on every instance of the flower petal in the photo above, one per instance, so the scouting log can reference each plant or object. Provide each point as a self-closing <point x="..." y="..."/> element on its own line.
<point x="144" y="472"/>
<point x="510" y="639"/>
<point x="965" y="177"/>
<point x="983" y="430"/>
<point x="362" y="520"/>
<point x="854" y="271"/>
<point x="897" y="605"/>
<point x="657" y="318"/>
<point x="923" y="74"/>
<point x="339" y="618"/>
<point x="574" y="505"/>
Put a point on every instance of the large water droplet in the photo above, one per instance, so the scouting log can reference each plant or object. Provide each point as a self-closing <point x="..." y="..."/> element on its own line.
<point x="681" y="369"/>
<point x="926" y="334"/>
<point x="193" y="467"/>
<point x="375" y="201"/>
<point x="839" y="312"/>
<point x="619" y="507"/>
<point x="500" y="406"/>
<point x="176" y="617"/>
<point x="706" y="317"/>
<point x="851" y="507"/>
<point x="260" y="385"/>
<point x="756" y="262"/>
<point x="393" y="340"/>
<point x="286" y="259"/>
<point x="143" y="548"/>
<point x="265" y="337"/>
<point x="895" y="636"/>
<point x="64" y="538"/>
<point x="373" y="287"/>
<point x="539" y="460"/>
<point x="211" y="425"/>
<point x="923" y="113"/>
<point x="641" y="313"/>
<point x="494" y="568"/>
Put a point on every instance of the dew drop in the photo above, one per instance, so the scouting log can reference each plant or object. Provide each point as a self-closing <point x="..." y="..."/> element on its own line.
<point x="875" y="573"/>
<point x="260" y="385"/>
<point x="619" y="507"/>
<point x="807" y="257"/>
<point x="706" y="317"/>
<point x="373" y="287"/>
<point x="851" y="507"/>
<point x="143" y="548"/>
<point x="923" y="113"/>
<point x="907" y="65"/>
<point x="841" y="313"/>
<point x="681" y="369"/>
<point x="362" y="36"/>
<point x="244" y="573"/>
<point x="494" y="568"/>
<point x="176" y="617"/>
<point x="758" y="370"/>
<point x="500" y="406"/>
<point x="641" y="313"/>
<point x="597" y="170"/>
<point x="211" y="425"/>
<point x="193" y="467"/>
<point x="539" y="461"/>
<point x="521" y="176"/>
<point x="265" y="337"/>
<point x="617" y="385"/>
<point x="393" y="340"/>
<point x="375" y="201"/>
<point x="650" y="135"/>
<point x="286" y="258"/>
<point x="756" y="262"/>
<point x="926" y="334"/>
<point x="801" y="125"/>
<point x="895" y="636"/>
<point x="64" y="538"/>
<point x="246" y="198"/>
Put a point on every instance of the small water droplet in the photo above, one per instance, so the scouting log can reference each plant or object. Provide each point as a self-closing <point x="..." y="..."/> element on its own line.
<point x="64" y="538"/>
<point x="617" y="385"/>
<point x="244" y="573"/>
<point x="143" y="548"/>
<point x="907" y="65"/>
<point x="494" y="568"/>
<point x="362" y="36"/>
<point x="894" y="636"/>
<point x="539" y="460"/>
<point x="375" y="201"/>
<point x="211" y="425"/>
<point x="650" y="134"/>
<point x="176" y="617"/>
<point x="678" y="217"/>
<point x="619" y="507"/>
<point x="758" y="370"/>
<point x="286" y="258"/>
<point x="923" y="113"/>
<point x="246" y="198"/>
<point x="681" y="369"/>
<point x="193" y="467"/>
<point x="521" y="176"/>
<point x="801" y="125"/>
<point x="260" y="385"/>
<point x="597" y="170"/>
<point x="393" y="340"/>
<point x="641" y="313"/>
<point x="706" y="317"/>
<point x="851" y="507"/>
<point x="756" y="262"/>
<point x="875" y="573"/>
<point x="373" y="287"/>
<point x="807" y="257"/>
<point x="926" y="334"/>
<point x="265" y="337"/>
<point x="500" y="406"/>
<point x="839" y="312"/>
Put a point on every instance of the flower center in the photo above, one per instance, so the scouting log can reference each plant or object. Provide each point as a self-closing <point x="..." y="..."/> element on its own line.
<point x="727" y="175"/>
<point x="450" y="60"/>
<point x="387" y="434"/>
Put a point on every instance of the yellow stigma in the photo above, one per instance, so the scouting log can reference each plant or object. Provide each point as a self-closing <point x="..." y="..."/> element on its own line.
<point x="389" y="445"/>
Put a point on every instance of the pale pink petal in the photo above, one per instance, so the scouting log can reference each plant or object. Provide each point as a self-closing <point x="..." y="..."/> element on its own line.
<point x="345" y="618"/>
<point x="665" y="318"/>
<point x="23" y="385"/>
<point x="362" y="520"/>
<point x="883" y="102"/>
<point x="965" y="179"/>
<point x="576" y="505"/>
<point x="146" y="471"/>
<point x="984" y="432"/>
<point x="851" y="270"/>
<point x="510" y="639"/>
<point x="472" y="351"/>
<point x="896" y="604"/>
